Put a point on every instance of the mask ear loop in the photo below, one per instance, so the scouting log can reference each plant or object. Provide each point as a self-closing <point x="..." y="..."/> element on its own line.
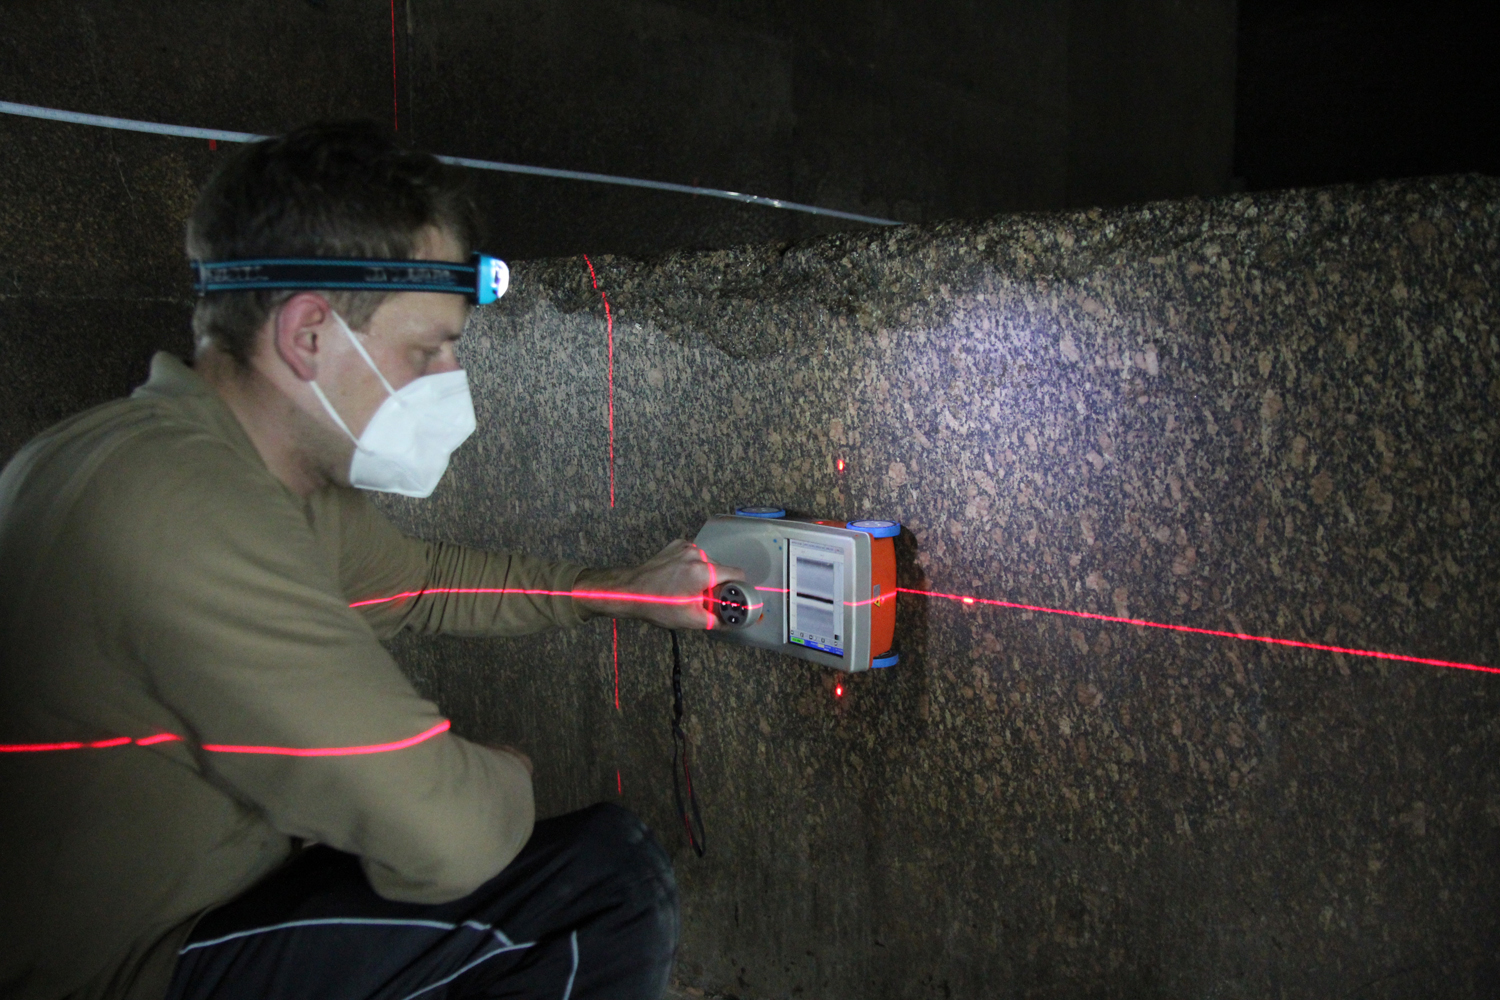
<point x="318" y="390"/>
<point x="362" y="352"/>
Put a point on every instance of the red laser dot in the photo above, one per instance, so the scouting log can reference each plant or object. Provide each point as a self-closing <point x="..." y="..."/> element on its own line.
<point x="839" y="465"/>
<point x="838" y="690"/>
<point x="968" y="600"/>
<point x="213" y="144"/>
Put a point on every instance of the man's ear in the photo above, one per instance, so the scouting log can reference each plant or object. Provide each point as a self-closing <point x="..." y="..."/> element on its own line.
<point x="297" y="333"/>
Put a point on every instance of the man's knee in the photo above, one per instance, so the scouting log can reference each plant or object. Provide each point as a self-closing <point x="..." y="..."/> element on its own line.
<point x="615" y="837"/>
<point x="613" y="831"/>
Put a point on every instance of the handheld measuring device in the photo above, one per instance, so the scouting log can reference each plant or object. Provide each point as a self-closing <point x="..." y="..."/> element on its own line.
<point x="823" y="591"/>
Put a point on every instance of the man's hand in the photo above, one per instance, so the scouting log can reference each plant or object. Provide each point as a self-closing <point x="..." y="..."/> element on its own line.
<point x="666" y="590"/>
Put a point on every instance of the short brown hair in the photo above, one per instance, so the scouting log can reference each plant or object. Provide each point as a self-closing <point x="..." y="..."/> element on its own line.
<point x="330" y="189"/>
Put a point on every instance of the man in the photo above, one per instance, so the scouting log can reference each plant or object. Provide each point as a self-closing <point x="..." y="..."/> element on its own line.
<point x="217" y="782"/>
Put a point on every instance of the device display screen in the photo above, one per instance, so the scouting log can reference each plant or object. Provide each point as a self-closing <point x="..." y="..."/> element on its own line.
<point x="815" y="597"/>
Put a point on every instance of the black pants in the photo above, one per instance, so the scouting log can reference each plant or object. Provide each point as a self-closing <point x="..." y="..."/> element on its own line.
<point x="587" y="909"/>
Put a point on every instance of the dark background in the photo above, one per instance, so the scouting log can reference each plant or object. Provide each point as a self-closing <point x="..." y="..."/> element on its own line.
<point x="1332" y="91"/>
<point x="915" y="112"/>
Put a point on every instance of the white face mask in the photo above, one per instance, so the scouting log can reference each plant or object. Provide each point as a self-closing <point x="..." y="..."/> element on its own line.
<point x="405" y="446"/>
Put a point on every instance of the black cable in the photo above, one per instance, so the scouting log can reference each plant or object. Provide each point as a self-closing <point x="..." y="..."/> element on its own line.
<point x="680" y="752"/>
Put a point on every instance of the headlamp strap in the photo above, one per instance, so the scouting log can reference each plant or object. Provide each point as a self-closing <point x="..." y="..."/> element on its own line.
<point x="483" y="281"/>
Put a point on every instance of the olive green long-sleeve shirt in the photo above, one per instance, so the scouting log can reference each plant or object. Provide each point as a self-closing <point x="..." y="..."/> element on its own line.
<point x="157" y="581"/>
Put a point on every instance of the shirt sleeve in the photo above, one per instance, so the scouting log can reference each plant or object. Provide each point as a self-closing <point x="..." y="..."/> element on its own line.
<point x="287" y="699"/>
<point x="398" y="582"/>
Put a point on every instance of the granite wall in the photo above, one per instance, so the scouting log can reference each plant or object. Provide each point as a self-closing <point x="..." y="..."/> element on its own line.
<point x="1272" y="414"/>
<point x="913" y="112"/>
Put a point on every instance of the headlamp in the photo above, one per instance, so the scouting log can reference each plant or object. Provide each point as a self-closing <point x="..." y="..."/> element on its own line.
<point x="483" y="280"/>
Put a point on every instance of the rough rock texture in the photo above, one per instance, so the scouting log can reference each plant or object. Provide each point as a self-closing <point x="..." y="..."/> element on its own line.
<point x="1270" y="414"/>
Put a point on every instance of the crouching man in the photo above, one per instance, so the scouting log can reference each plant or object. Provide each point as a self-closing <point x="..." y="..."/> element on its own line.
<point x="192" y="684"/>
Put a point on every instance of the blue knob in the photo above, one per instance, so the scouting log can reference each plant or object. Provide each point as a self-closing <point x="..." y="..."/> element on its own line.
<point x="760" y="511"/>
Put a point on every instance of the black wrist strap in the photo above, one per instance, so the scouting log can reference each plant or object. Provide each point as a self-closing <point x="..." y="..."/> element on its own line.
<point x="693" y="824"/>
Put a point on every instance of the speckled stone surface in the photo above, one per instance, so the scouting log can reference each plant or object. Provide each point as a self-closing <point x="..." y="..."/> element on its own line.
<point x="1272" y="414"/>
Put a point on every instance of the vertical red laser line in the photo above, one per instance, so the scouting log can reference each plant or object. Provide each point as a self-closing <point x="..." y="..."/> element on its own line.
<point x="395" y="110"/>
<point x="609" y="333"/>
<point x="713" y="581"/>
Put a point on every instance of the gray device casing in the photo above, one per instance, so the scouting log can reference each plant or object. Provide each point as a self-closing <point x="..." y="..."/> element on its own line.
<point x="760" y="547"/>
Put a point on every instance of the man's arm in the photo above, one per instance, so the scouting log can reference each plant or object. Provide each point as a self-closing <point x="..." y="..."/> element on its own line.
<point x="398" y="582"/>
<point x="286" y="699"/>
<point x="666" y="590"/>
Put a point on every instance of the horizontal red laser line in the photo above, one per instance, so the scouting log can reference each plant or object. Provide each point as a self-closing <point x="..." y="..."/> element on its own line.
<point x="970" y="600"/>
<point x="444" y="726"/>
<point x="1272" y="640"/>
<point x="146" y="741"/>
<point x="601" y="595"/>
<point x="422" y="737"/>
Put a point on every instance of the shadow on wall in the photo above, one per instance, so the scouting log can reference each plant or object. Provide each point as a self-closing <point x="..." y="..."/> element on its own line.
<point x="1264" y="414"/>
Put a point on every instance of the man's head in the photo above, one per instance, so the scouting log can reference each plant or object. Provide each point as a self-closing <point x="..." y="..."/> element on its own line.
<point x="335" y="189"/>
<point x="339" y="190"/>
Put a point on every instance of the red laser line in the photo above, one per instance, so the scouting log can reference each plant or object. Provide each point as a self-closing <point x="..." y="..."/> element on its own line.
<point x="713" y="581"/>
<point x="962" y="599"/>
<point x="602" y="595"/>
<point x="395" y="110"/>
<point x="444" y="726"/>
<point x="120" y="741"/>
<point x="619" y="783"/>
<point x="1376" y="654"/>
<point x="441" y="727"/>
<point x="609" y="328"/>
<point x="1272" y="640"/>
<point x="117" y="741"/>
